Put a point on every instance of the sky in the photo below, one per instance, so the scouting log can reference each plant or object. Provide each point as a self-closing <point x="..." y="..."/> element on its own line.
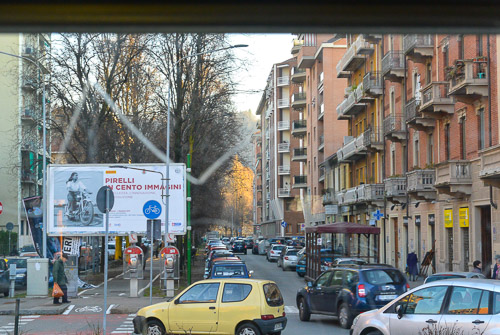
<point x="262" y="52"/>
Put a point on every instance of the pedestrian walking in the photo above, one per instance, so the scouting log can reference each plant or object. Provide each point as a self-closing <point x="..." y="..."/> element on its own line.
<point x="412" y="264"/>
<point x="60" y="278"/>
<point x="496" y="269"/>
<point x="144" y="255"/>
<point x="477" y="267"/>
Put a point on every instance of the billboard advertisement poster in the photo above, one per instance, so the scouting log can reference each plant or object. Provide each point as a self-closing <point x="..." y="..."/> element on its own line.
<point x="72" y="190"/>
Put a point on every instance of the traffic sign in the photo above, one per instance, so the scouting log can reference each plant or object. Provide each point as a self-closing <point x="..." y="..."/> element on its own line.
<point x="101" y="198"/>
<point x="284" y="224"/>
<point x="152" y="209"/>
<point x="170" y="238"/>
<point x="9" y="226"/>
<point x="377" y="215"/>
<point x="1" y="208"/>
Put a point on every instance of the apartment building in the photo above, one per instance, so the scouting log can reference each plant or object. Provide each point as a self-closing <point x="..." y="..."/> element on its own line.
<point x="21" y="93"/>
<point x="257" y="182"/>
<point x="281" y="211"/>
<point x="320" y="132"/>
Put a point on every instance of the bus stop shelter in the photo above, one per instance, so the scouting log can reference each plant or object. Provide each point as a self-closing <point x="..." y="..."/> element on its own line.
<point x="342" y="239"/>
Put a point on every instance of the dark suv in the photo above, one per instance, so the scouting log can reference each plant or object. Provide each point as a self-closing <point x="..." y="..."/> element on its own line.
<point x="346" y="291"/>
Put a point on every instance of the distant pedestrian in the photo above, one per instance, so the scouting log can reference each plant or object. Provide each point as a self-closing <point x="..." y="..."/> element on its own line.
<point x="496" y="269"/>
<point x="477" y="267"/>
<point x="60" y="278"/>
<point x="411" y="262"/>
<point x="144" y="255"/>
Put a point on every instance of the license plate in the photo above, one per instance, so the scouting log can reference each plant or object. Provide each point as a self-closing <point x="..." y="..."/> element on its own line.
<point x="278" y="326"/>
<point x="387" y="297"/>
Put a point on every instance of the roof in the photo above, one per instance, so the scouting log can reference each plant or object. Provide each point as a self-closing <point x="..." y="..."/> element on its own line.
<point x="344" y="227"/>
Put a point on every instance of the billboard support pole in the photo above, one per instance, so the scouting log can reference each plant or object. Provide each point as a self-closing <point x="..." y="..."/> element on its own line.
<point x="167" y="167"/>
<point x="106" y="264"/>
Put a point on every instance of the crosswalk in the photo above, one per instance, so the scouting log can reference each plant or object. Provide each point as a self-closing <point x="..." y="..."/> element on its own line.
<point x="126" y="327"/>
<point x="23" y="320"/>
<point x="291" y="310"/>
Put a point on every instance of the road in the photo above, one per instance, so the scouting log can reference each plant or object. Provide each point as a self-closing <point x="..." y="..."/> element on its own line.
<point x="289" y="282"/>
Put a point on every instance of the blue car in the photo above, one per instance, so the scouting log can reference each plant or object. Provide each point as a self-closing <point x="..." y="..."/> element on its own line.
<point x="301" y="266"/>
<point x="229" y="270"/>
<point x="21" y="270"/>
<point x="346" y="291"/>
<point x="239" y="247"/>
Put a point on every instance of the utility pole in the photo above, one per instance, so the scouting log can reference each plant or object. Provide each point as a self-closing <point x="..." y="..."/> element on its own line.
<point x="188" y="189"/>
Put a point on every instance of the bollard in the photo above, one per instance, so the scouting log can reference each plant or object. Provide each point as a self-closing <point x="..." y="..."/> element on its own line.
<point x="16" y="322"/>
<point x="134" y="287"/>
<point x="12" y="278"/>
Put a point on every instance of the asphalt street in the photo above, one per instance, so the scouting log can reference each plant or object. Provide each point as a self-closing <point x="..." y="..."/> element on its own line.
<point x="289" y="283"/>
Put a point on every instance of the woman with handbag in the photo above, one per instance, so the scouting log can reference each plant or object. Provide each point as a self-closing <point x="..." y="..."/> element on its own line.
<point x="60" y="280"/>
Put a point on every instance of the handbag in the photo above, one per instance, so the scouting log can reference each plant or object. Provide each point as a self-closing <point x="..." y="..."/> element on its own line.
<point x="56" y="291"/>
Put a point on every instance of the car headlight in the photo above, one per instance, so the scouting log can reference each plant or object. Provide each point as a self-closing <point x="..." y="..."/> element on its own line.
<point x="355" y="320"/>
<point x="21" y="275"/>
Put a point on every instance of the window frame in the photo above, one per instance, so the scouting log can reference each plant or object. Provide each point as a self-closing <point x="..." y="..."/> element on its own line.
<point x="224" y="289"/>
<point x="199" y="302"/>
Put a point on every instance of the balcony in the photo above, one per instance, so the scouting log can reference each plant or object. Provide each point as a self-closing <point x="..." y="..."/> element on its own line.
<point x="415" y="118"/>
<point x="298" y="100"/>
<point x="299" y="128"/>
<point x="28" y="113"/>
<point x="321" y="111"/>
<point x="284" y="81"/>
<point x="395" y="189"/>
<point x="421" y="184"/>
<point x="30" y="52"/>
<point x="299" y="182"/>
<point x="393" y="68"/>
<point x="321" y="143"/>
<point x="29" y="83"/>
<point x="372" y="38"/>
<point x="321" y="78"/>
<point x="329" y="197"/>
<point x="373" y="139"/>
<point x="284" y="103"/>
<point x="259" y="203"/>
<point x="395" y="128"/>
<point x="352" y="105"/>
<point x="321" y="177"/>
<point x="259" y="156"/>
<point x="28" y="145"/>
<point x="490" y="166"/>
<point x="468" y="80"/>
<point x="365" y="193"/>
<point x="435" y="100"/>
<point x="283" y="125"/>
<point x="283" y="170"/>
<point x="297" y="44"/>
<point x="298" y="75"/>
<point x="454" y="178"/>
<point x="259" y="188"/>
<point x="372" y="84"/>
<point x="418" y="47"/>
<point x="353" y="149"/>
<point x="299" y="155"/>
<point x="283" y="147"/>
<point x="269" y="110"/>
<point x="284" y="193"/>
<point x="28" y="176"/>
<point x="355" y="55"/>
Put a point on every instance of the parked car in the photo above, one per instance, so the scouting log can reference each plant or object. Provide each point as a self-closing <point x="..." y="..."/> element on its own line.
<point x="300" y="268"/>
<point x="288" y="258"/>
<point x="453" y="275"/>
<point x="225" y="241"/>
<point x="233" y="269"/>
<point x="28" y="251"/>
<point x="220" y="259"/>
<point x="4" y="278"/>
<point x="217" y="306"/>
<point x="274" y="252"/>
<point x="21" y="270"/>
<point x="349" y="291"/>
<point x="263" y="247"/>
<point x="249" y="243"/>
<point x="458" y="306"/>
<point x="239" y="247"/>
<point x="349" y="261"/>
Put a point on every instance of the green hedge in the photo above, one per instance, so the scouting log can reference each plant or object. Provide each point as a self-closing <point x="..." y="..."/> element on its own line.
<point x="4" y="242"/>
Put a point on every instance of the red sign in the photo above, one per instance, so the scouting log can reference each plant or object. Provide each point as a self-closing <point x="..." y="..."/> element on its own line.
<point x="1" y="208"/>
<point x="133" y="250"/>
<point x="170" y="251"/>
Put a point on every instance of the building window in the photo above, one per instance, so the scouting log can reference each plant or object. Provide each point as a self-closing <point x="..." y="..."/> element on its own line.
<point x="22" y="227"/>
<point x="479" y="45"/>
<point x="446" y="57"/>
<point x="447" y="141"/>
<point x="405" y="159"/>
<point x="481" y="133"/>
<point x="430" y="149"/>
<point x="393" y="162"/>
<point x="392" y="103"/>
<point x="373" y="179"/>
<point x="416" y="153"/>
<point x="461" y="47"/>
<point x="428" y="73"/>
<point x="463" y="149"/>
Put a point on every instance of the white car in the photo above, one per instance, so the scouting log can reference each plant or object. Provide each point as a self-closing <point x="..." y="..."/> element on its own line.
<point x="452" y="306"/>
<point x="274" y="252"/>
<point x="288" y="259"/>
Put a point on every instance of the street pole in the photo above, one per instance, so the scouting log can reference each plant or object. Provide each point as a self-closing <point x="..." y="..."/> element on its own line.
<point x="106" y="264"/>
<point x="151" y="263"/>
<point x="189" y="217"/>
<point x="232" y="221"/>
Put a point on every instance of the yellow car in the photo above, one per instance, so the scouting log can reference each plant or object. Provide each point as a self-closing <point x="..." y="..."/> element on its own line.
<point x="217" y="306"/>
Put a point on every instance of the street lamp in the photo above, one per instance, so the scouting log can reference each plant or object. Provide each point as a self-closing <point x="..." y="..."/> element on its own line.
<point x="44" y="159"/>
<point x="167" y="149"/>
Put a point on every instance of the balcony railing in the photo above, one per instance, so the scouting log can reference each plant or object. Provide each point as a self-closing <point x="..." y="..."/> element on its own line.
<point x="373" y="84"/>
<point x="490" y="166"/>
<point x="419" y="45"/>
<point x="299" y="154"/>
<point x="283" y="169"/>
<point x="299" y="127"/>
<point x="329" y="197"/>
<point x="321" y="140"/>
<point x="394" y="123"/>
<point x="298" y="99"/>
<point x="361" y="193"/>
<point x="353" y="149"/>
<point x="283" y="103"/>
<point x="354" y="56"/>
<point x="352" y="104"/>
<point x="259" y="203"/>
<point x="283" y="192"/>
<point x="414" y="116"/>
<point x="259" y="187"/>
<point x="283" y="81"/>
<point x="321" y="176"/>
<point x="299" y="181"/>
<point x="298" y="75"/>
<point x="435" y="98"/>
<point x="283" y="125"/>
<point x="454" y="177"/>
<point x="28" y="113"/>
<point x="284" y="147"/>
<point x="468" y="78"/>
<point x="372" y="138"/>
<point x="395" y="187"/>
<point x="321" y="111"/>
<point x="421" y="180"/>
<point x="321" y="77"/>
<point x="393" y="65"/>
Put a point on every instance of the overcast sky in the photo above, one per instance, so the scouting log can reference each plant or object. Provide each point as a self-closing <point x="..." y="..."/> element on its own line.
<point x="262" y="52"/>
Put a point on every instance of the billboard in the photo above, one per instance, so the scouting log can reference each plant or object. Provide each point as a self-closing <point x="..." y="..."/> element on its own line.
<point x="72" y="190"/>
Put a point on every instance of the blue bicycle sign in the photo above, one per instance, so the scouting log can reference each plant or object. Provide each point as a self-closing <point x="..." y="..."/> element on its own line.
<point x="152" y="209"/>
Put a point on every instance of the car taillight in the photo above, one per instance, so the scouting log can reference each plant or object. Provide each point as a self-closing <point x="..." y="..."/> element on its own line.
<point x="267" y="317"/>
<point x="284" y="314"/>
<point x="361" y="290"/>
<point x="407" y="286"/>
<point x="286" y="258"/>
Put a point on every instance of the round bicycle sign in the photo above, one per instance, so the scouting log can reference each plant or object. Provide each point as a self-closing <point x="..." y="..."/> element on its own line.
<point x="152" y="209"/>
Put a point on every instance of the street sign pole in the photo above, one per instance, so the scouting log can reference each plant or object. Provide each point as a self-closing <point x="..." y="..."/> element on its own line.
<point x="188" y="186"/>
<point x="151" y="262"/>
<point x="106" y="263"/>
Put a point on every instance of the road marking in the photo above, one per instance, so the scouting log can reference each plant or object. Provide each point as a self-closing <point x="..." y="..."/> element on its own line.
<point x="68" y="310"/>
<point x="109" y="308"/>
<point x="122" y="294"/>
<point x="147" y="286"/>
<point x="291" y="310"/>
<point x="110" y="279"/>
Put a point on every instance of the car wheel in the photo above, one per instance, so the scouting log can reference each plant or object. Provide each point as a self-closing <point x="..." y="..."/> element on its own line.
<point x="155" y="327"/>
<point x="301" y="274"/>
<point x="375" y="332"/>
<point x="283" y="268"/>
<point x="304" y="313"/>
<point x="345" y="316"/>
<point x="247" y="329"/>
